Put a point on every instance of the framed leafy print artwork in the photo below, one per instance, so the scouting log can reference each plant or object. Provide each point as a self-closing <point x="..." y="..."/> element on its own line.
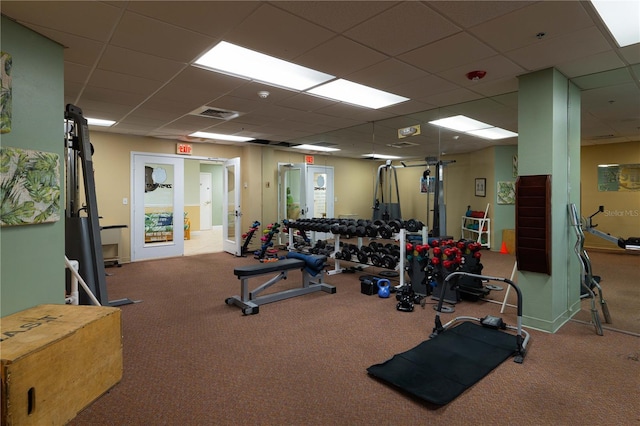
<point x="5" y="92"/>
<point x="29" y="187"/>
<point x="506" y="193"/>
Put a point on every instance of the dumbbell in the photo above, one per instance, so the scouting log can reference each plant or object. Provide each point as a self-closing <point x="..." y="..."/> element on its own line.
<point x="413" y="225"/>
<point x="371" y="229"/>
<point x="395" y="225"/>
<point x="363" y="256"/>
<point x="384" y="229"/>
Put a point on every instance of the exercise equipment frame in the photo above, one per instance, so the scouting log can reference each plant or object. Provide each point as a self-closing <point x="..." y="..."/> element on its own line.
<point x="522" y="336"/>
<point x="249" y="300"/>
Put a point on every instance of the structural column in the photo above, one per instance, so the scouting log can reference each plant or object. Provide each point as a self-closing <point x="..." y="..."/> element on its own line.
<point x="549" y="144"/>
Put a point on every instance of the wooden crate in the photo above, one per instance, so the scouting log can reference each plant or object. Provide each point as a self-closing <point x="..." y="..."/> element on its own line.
<point x="56" y="360"/>
<point x="509" y="238"/>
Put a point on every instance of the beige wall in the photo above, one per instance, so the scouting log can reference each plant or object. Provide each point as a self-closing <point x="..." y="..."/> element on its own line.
<point x="112" y="169"/>
<point x="355" y="184"/>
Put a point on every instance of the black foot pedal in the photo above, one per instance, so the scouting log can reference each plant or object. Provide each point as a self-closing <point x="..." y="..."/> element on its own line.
<point x="492" y="322"/>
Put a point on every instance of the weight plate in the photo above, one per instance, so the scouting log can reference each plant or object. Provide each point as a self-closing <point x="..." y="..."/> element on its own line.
<point x="494" y="287"/>
<point x="445" y="309"/>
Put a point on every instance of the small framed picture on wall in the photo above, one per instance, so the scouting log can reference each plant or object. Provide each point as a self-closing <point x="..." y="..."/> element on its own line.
<point x="481" y="187"/>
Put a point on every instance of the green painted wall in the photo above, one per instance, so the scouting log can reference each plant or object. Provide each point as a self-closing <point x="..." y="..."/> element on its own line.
<point x="32" y="257"/>
<point x="504" y="215"/>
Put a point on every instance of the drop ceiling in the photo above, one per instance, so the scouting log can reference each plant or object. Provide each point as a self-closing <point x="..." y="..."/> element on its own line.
<point x="131" y="61"/>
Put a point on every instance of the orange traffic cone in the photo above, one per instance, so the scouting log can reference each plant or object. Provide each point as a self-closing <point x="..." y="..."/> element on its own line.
<point x="503" y="249"/>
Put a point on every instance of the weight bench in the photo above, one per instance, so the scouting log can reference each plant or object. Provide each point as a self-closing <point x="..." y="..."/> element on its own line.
<point x="312" y="270"/>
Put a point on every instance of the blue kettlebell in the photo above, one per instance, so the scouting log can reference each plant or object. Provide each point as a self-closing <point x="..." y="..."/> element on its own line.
<point x="384" y="288"/>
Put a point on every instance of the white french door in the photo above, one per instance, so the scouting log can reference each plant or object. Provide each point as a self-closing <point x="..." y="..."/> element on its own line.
<point x="157" y="216"/>
<point x="319" y="194"/>
<point x="319" y="191"/>
<point x="231" y="212"/>
<point x="292" y="199"/>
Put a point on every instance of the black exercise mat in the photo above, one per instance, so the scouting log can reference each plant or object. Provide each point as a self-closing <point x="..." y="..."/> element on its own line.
<point x="440" y="369"/>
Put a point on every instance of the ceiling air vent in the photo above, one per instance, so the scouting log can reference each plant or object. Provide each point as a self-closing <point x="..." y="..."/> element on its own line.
<point x="401" y="144"/>
<point x="212" y="112"/>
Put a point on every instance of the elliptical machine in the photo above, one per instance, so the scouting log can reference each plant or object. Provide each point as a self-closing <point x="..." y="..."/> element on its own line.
<point x="588" y="282"/>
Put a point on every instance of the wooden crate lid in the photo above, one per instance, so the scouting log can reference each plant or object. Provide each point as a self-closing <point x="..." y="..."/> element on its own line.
<point x="37" y="327"/>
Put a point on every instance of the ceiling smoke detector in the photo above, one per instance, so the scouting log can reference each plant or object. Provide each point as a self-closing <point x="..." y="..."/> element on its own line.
<point x="263" y="94"/>
<point x="476" y="75"/>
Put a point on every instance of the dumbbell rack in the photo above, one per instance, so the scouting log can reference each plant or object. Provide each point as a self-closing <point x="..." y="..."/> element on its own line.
<point x="399" y="236"/>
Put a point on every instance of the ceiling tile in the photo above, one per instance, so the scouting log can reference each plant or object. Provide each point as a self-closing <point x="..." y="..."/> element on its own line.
<point x="335" y="15"/>
<point x="107" y="96"/>
<point x="339" y="57"/>
<point x="554" y="18"/>
<point x="75" y="73"/>
<point x="78" y="50"/>
<point x="274" y="32"/>
<point x="123" y="82"/>
<point x="631" y="54"/>
<point x="198" y="87"/>
<point x="459" y="49"/>
<point x="146" y="35"/>
<point x="573" y="46"/>
<point x="590" y="64"/>
<point x="89" y="19"/>
<point x="102" y="109"/>
<point x="450" y="98"/>
<point x="130" y="62"/>
<point x="402" y="28"/>
<point x="496" y="87"/>
<point x="213" y="18"/>
<point x="422" y="87"/>
<point x="497" y="67"/>
<point x="306" y="102"/>
<point x="470" y="13"/>
<point x="386" y="74"/>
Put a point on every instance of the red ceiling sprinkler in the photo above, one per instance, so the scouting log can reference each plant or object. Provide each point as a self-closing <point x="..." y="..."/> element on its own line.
<point x="476" y="75"/>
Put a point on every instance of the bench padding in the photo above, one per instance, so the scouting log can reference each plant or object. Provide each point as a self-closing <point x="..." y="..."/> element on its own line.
<point x="266" y="268"/>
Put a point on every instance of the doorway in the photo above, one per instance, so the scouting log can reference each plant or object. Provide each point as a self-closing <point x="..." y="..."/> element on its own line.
<point x="157" y="224"/>
<point x="199" y="183"/>
<point x="319" y="194"/>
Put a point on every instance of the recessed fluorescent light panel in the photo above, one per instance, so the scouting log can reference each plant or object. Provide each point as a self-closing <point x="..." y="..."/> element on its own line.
<point x="357" y="94"/>
<point x="229" y="58"/>
<point x="220" y="137"/>
<point x="493" y="133"/>
<point x="622" y="18"/>
<point x="382" y="157"/>
<point x="100" y="122"/>
<point x="315" y="148"/>
<point x="461" y="123"/>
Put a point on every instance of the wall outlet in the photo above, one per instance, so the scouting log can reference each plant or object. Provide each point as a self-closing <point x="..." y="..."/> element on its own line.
<point x="125" y="201"/>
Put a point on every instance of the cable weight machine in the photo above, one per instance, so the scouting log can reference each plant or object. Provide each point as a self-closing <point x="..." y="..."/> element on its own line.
<point x="386" y="210"/>
<point x="82" y="228"/>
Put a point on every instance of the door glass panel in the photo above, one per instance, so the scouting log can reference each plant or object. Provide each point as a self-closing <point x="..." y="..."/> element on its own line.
<point x="231" y="203"/>
<point x="319" y="194"/>
<point x="293" y="191"/>
<point x="158" y="204"/>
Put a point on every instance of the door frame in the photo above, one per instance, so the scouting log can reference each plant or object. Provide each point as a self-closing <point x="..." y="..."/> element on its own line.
<point x="311" y="168"/>
<point x="283" y="168"/>
<point x="133" y="154"/>
<point x="140" y="250"/>
<point x="232" y="243"/>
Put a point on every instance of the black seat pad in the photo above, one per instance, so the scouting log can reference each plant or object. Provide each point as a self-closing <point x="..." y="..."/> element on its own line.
<point x="265" y="268"/>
